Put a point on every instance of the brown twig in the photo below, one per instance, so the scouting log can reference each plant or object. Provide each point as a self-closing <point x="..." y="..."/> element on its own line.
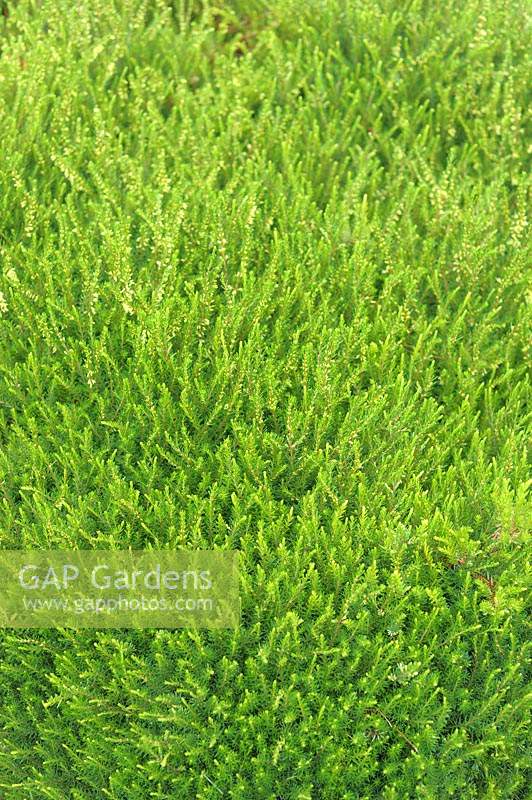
<point x="394" y="728"/>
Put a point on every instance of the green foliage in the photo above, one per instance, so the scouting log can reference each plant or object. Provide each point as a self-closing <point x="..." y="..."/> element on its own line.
<point x="263" y="286"/>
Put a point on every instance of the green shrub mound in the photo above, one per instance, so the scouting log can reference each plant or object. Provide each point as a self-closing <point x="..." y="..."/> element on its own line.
<point x="263" y="286"/>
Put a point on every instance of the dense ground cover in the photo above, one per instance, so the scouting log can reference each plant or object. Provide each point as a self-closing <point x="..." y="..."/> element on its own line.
<point x="263" y="287"/>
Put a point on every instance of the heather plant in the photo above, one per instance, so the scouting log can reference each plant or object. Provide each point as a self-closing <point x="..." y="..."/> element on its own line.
<point x="264" y="287"/>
